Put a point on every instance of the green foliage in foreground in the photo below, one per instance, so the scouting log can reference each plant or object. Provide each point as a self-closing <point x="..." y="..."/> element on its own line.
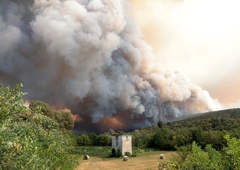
<point x="31" y="140"/>
<point x="208" y="159"/>
<point x="11" y="102"/>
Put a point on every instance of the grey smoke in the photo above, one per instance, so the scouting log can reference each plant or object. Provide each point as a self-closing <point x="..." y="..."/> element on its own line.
<point x="89" y="56"/>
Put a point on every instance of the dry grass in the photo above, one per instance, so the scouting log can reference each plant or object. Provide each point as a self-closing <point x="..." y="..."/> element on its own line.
<point x="145" y="161"/>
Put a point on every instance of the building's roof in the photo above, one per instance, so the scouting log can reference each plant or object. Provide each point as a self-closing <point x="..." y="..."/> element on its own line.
<point x="116" y="134"/>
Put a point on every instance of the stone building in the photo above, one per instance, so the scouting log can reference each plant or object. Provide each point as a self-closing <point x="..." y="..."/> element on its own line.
<point x="122" y="142"/>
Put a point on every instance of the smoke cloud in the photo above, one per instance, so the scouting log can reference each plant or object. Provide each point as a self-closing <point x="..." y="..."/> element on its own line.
<point x="89" y="56"/>
<point x="198" y="37"/>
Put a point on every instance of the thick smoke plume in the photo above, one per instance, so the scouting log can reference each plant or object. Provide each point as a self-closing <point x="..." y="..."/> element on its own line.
<point x="88" y="56"/>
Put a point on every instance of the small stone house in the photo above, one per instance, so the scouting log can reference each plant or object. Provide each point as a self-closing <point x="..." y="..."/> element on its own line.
<point x="122" y="142"/>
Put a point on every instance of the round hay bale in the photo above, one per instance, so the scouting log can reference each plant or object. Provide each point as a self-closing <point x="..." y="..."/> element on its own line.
<point x="125" y="158"/>
<point x="86" y="157"/>
<point x="162" y="156"/>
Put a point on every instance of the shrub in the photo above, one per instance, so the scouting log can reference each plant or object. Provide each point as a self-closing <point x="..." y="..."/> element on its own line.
<point x="119" y="153"/>
<point x="62" y="117"/>
<point x="113" y="152"/>
<point x="11" y="102"/>
<point x="232" y="153"/>
<point x="32" y="142"/>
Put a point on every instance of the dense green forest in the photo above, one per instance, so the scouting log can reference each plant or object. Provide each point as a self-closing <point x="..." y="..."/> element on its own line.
<point x="39" y="137"/>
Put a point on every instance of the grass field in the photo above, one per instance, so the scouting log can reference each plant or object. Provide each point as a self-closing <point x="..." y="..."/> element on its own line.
<point x="146" y="160"/>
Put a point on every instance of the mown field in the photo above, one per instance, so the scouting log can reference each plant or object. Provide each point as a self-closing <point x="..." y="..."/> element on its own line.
<point x="100" y="160"/>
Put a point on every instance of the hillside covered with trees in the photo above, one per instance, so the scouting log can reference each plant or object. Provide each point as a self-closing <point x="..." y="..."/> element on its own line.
<point x="218" y="120"/>
<point x="207" y="128"/>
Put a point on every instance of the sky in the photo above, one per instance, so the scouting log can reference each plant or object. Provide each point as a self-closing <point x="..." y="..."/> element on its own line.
<point x="199" y="38"/>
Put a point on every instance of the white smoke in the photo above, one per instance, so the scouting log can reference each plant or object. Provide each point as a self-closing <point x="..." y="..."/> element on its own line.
<point x="88" y="55"/>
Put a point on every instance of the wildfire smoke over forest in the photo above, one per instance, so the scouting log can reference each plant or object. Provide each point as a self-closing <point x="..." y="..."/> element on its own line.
<point x="89" y="56"/>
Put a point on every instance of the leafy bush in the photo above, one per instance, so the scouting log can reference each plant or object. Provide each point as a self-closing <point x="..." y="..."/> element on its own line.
<point x="169" y="165"/>
<point x="11" y="102"/>
<point x="113" y="152"/>
<point x="84" y="140"/>
<point x="31" y="141"/>
<point x="198" y="159"/>
<point x="104" y="139"/>
<point x="232" y="153"/>
<point x="29" y="145"/>
<point x="119" y="153"/>
<point x="64" y="118"/>
<point x="210" y="158"/>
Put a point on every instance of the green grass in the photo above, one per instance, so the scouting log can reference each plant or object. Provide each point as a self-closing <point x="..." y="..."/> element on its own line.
<point x="99" y="151"/>
<point x="105" y="151"/>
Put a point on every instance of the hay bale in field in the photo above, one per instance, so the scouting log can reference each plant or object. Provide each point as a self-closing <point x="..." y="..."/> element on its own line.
<point x="86" y="157"/>
<point x="162" y="156"/>
<point x="125" y="158"/>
